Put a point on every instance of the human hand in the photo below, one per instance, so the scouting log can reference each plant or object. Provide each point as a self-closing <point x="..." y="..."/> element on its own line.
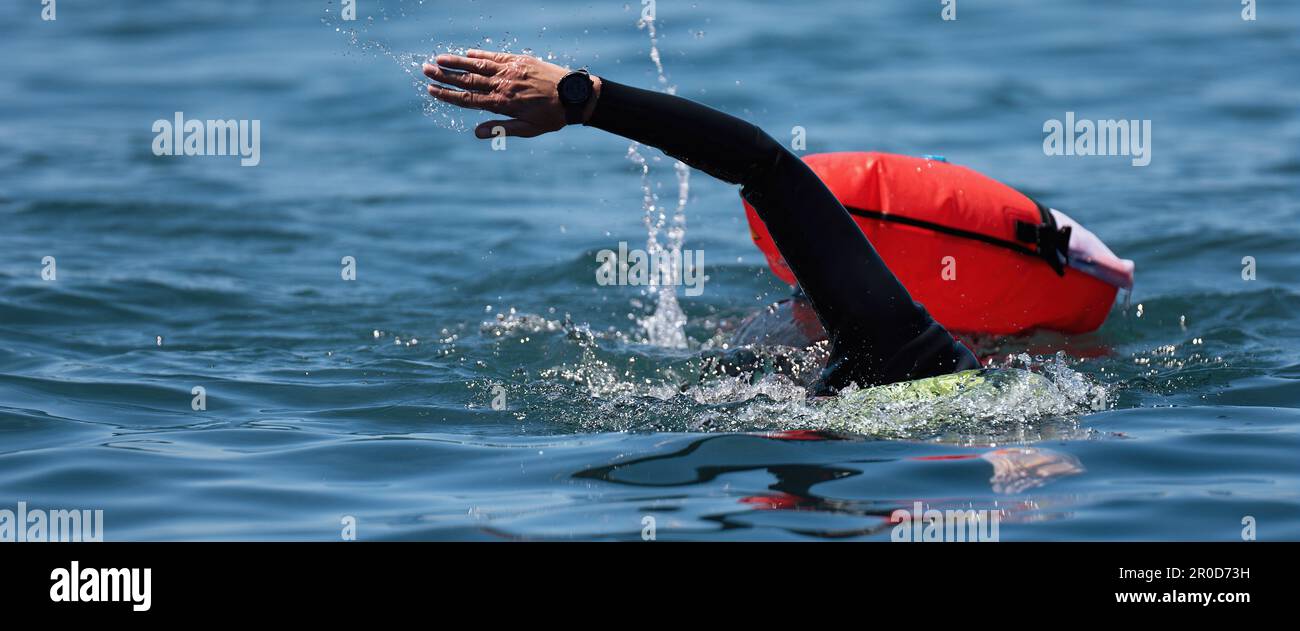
<point x="522" y="87"/>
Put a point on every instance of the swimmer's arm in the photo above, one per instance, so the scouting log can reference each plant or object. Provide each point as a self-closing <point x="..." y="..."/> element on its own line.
<point x="878" y="334"/>
<point x="523" y="87"/>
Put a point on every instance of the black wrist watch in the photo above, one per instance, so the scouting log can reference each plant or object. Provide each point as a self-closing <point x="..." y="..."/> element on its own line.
<point x="575" y="90"/>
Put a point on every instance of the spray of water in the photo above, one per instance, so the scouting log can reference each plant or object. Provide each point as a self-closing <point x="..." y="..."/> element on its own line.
<point x="666" y="326"/>
<point x="595" y="387"/>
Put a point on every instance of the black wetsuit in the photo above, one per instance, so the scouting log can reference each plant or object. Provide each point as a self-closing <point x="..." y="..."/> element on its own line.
<point x="877" y="333"/>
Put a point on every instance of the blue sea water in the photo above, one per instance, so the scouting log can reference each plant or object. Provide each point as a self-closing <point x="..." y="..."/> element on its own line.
<point x="373" y="399"/>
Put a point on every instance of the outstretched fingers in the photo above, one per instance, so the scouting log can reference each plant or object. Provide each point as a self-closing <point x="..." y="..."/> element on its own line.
<point x="465" y="80"/>
<point x="500" y="58"/>
<point x="516" y="86"/>
<point x="477" y="65"/>
<point x="471" y="100"/>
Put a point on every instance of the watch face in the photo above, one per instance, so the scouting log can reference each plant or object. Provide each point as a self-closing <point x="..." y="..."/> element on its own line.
<point x="575" y="88"/>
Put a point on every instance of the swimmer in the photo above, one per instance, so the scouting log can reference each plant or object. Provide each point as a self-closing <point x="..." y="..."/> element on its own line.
<point x="877" y="334"/>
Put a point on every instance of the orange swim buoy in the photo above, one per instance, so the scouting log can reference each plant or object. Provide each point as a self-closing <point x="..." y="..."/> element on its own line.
<point x="980" y="255"/>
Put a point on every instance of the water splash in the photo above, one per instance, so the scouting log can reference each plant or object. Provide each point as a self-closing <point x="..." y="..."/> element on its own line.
<point x="666" y="326"/>
<point x="1021" y="390"/>
<point x="595" y="388"/>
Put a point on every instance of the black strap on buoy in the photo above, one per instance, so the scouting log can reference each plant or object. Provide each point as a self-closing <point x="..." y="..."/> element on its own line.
<point x="1053" y="242"/>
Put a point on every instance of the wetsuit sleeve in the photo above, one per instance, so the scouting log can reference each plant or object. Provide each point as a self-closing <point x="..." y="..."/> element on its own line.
<point x="878" y="334"/>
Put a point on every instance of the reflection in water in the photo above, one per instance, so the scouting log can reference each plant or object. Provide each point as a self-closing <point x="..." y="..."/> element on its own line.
<point x="1018" y="469"/>
<point x="1015" y="470"/>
